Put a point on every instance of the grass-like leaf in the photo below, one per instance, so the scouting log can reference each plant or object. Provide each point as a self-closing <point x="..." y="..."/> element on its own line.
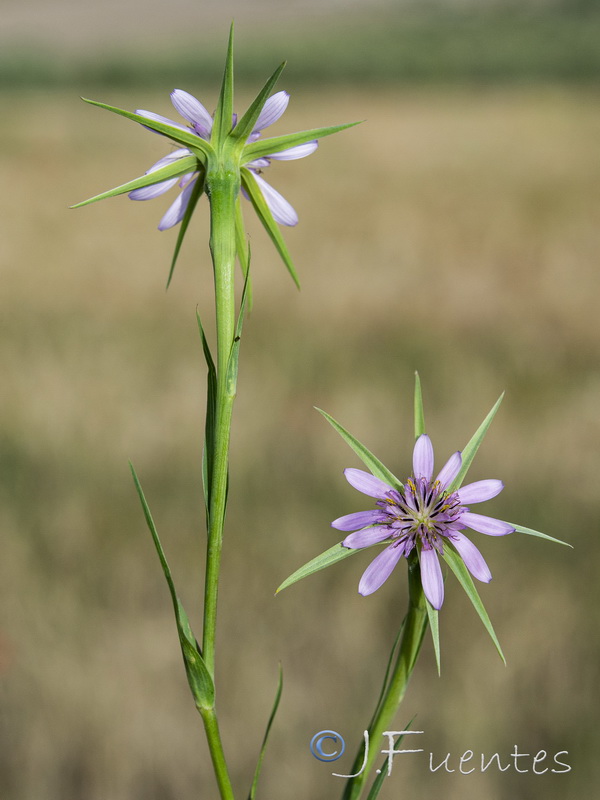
<point x="196" y="193"/>
<point x="261" y="756"/>
<point x="173" y="170"/>
<point x="245" y="125"/>
<point x="223" y="119"/>
<point x="199" y="679"/>
<point x="388" y="670"/>
<point x="419" y="413"/>
<point x="232" y="364"/>
<point x="180" y="135"/>
<point x="531" y="532"/>
<point x="326" y="559"/>
<point x="468" y="454"/>
<point x="366" y="456"/>
<point x="265" y="147"/>
<point x="383" y="772"/>
<point x="266" y="217"/>
<point x="434" y="627"/>
<point x="243" y="249"/>
<point x="458" y="567"/>
<point x="211" y="414"/>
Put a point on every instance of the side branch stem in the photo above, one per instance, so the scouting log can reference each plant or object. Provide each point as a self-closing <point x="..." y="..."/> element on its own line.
<point x="415" y="626"/>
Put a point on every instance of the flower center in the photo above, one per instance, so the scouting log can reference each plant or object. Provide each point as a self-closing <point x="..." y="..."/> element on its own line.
<point x="423" y="512"/>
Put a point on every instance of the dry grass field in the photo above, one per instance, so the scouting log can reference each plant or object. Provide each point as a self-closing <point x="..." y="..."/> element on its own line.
<point x="456" y="233"/>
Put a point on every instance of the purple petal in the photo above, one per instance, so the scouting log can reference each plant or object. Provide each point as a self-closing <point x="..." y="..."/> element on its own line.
<point x="367" y="483"/>
<point x="150" y="192"/>
<point x="479" y="491"/>
<point x="258" y="163"/>
<point x="380" y="569"/>
<point x="181" y="152"/>
<point x="450" y="470"/>
<point x="488" y="525"/>
<point x="185" y="178"/>
<point x="192" y="109"/>
<point x="300" y="151"/>
<point x="352" y="522"/>
<point x="423" y="457"/>
<point x="367" y="537"/>
<point x="431" y="577"/>
<point x="159" y="118"/>
<point x="282" y="211"/>
<point x="473" y="559"/>
<point x="176" y="211"/>
<point x="272" y="110"/>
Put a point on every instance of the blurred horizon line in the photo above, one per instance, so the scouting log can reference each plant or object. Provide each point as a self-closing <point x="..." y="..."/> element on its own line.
<point x="495" y="45"/>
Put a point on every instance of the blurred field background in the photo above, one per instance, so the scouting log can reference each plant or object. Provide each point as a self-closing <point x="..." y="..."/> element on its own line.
<point x="456" y="232"/>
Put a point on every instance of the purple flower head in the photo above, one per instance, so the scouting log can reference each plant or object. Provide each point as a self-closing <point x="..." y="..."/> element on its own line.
<point x="200" y="122"/>
<point x="425" y="516"/>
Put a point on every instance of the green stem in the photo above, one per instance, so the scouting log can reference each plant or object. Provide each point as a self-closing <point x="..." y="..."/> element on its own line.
<point x="222" y="186"/>
<point x="415" y="626"/>
<point x="222" y="189"/>
<point x="213" y="736"/>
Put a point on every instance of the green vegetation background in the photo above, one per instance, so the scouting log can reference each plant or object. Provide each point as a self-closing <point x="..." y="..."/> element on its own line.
<point x="455" y="232"/>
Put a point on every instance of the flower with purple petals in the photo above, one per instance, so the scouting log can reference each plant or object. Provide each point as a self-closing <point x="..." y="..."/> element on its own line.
<point x="425" y="516"/>
<point x="201" y="123"/>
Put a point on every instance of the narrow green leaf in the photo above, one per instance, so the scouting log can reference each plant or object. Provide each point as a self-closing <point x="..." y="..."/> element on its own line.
<point x="243" y="248"/>
<point x="326" y="559"/>
<point x="157" y="544"/>
<point x="199" y="679"/>
<point x="383" y="772"/>
<point x="245" y="125"/>
<point x="261" y="756"/>
<point x="196" y="193"/>
<point x="211" y="414"/>
<point x="366" y="456"/>
<point x="195" y="143"/>
<point x="458" y="567"/>
<point x="419" y="413"/>
<point x="434" y="626"/>
<point x="531" y="532"/>
<point x="234" y="355"/>
<point x="223" y="119"/>
<point x="468" y="454"/>
<point x="384" y="685"/>
<point x="265" y="147"/>
<point x="265" y="216"/>
<point x="173" y="170"/>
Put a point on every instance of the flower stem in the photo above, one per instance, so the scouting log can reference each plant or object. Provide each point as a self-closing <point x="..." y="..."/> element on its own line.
<point x="222" y="186"/>
<point x="415" y="626"/>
